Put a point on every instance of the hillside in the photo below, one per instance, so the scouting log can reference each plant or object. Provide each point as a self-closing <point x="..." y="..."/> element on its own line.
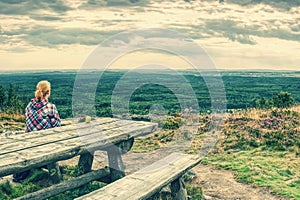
<point x="260" y="147"/>
<point x="256" y="157"/>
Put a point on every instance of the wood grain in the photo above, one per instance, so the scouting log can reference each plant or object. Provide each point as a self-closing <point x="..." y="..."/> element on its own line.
<point x="148" y="181"/>
<point x="35" y="149"/>
<point x="66" y="185"/>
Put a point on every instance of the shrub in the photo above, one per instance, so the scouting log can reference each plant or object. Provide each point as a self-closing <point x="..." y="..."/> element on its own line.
<point x="283" y="100"/>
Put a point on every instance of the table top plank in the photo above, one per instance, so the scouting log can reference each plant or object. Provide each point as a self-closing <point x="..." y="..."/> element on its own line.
<point x="98" y="139"/>
<point x="62" y="129"/>
<point x="15" y="144"/>
<point x="36" y="156"/>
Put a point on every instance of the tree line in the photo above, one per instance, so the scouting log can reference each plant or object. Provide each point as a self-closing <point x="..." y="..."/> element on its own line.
<point x="10" y="102"/>
<point x="279" y="100"/>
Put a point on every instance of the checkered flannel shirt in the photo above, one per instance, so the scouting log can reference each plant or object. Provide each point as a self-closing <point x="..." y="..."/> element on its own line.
<point x="41" y="115"/>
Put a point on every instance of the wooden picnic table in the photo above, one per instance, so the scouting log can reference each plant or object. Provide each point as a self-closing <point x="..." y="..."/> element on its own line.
<point x="36" y="149"/>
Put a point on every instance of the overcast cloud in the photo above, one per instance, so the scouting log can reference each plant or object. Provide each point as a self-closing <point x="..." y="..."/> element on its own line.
<point x="27" y="7"/>
<point x="28" y="25"/>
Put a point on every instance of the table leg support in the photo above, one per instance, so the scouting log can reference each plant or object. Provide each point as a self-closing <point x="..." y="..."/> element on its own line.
<point x="178" y="190"/>
<point x="126" y="145"/>
<point x="54" y="172"/>
<point x="116" y="165"/>
<point x="85" y="163"/>
<point x="155" y="197"/>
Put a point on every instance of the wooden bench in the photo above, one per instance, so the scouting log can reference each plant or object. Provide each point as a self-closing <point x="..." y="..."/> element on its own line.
<point x="147" y="183"/>
<point x="36" y="149"/>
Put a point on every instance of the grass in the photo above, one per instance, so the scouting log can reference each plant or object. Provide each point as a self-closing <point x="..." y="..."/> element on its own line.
<point x="7" y="191"/>
<point x="153" y="142"/>
<point x="276" y="170"/>
<point x="194" y="191"/>
<point x="11" y="122"/>
<point x="39" y="179"/>
<point x="12" y="117"/>
<point x="31" y="184"/>
<point x="262" y="148"/>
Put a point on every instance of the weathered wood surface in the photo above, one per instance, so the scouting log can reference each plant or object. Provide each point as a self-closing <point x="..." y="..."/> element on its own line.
<point x="148" y="181"/>
<point x="28" y="140"/>
<point x="48" y="132"/>
<point x="66" y="185"/>
<point x="35" y="149"/>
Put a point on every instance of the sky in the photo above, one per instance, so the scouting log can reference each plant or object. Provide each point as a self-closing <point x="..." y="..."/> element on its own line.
<point x="61" y="34"/>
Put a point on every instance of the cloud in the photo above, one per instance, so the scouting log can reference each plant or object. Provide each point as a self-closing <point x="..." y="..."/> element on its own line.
<point x="12" y="1"/>
<point x="46" y="18"/>
<point x="53" y="37"/>
<point x="37" y="33"/>
<point x="282" y="4"/>
<point x="92" y="4"/>
<point x="26" y="7"/>
<point x="238" y="31"/>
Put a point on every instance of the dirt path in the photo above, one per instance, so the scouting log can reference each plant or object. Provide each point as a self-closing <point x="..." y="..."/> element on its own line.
<point x="217" y="184"/>
<point x="221" y="184"/>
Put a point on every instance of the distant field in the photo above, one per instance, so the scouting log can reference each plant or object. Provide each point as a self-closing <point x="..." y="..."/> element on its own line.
<point x="241" y="87"/>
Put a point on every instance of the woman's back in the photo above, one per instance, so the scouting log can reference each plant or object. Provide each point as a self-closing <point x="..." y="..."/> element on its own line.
<point x="40" y="115"/>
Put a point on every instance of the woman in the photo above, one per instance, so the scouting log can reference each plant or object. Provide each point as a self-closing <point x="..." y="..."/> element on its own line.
<point x="40" y="114"/>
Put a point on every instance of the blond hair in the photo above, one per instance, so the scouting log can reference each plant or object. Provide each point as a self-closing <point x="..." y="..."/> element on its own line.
<point x="42" y="89"/>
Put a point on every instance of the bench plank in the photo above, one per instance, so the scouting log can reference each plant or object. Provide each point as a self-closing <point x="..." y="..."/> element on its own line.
<point x="66" y="185"/>
<point x="148" y="181"/>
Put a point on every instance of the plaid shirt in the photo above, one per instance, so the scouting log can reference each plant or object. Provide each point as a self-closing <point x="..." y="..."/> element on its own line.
<point x="41" y="115"/>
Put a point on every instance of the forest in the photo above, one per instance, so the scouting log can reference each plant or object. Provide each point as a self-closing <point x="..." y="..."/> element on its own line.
<point x="244" y="89"/>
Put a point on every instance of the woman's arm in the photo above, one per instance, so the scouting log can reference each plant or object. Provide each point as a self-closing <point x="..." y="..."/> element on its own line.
<point x="54" y="116"/>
